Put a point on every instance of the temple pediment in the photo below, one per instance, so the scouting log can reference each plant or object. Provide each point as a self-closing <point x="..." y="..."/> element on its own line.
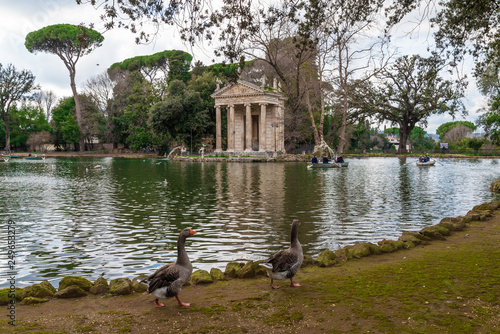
<point x="238" y="88"/>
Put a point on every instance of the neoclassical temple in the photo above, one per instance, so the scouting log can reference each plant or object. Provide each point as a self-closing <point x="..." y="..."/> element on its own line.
<point x="255" y="118"/>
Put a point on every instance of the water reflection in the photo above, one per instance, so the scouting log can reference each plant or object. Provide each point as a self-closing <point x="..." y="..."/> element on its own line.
<point x="115" y="217"/>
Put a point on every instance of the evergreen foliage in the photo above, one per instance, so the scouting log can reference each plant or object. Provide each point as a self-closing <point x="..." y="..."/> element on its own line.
<point x="24" y="121"/>
<point x="445" y="127"/>
<point x="66" y="130"/>
<point x="173" y="63"/>
<point x="181" y="117"/>
<point x="14" y="86"/>
<point x="65" y="40"/>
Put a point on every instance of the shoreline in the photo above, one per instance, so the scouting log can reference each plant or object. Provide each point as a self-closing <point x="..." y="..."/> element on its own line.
<point x="328" y="293"/>
<point x="280" y="158"/>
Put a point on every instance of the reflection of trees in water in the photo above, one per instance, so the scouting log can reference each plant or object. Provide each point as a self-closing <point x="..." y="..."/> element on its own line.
<point x="121" y="219"/>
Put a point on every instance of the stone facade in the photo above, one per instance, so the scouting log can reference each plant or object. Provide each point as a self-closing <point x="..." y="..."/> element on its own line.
<point x="255" y="118"/>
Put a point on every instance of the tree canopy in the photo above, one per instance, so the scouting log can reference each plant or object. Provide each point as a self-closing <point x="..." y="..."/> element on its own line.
<point x="66" y="129"/>
<point x="445" y="127"/>
<point x="489" y="83"/>
<point x="14" y="86"/>
<point x="173" y="64"/>
<point x="321" y="52"/>
<point x="182" y="116"/>
<point x="463" y="26"/>
<point x="70" y="43"/>
<point x="409" y="92"/>
<point x="26" y="121"/>
<point x="491" y="121"/>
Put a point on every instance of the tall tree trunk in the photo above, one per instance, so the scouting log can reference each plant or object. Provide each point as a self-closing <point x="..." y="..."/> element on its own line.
<point x="7" y="133"/>
<point x="78" y="112"/>
<point x="403" y="136"/>
<point x="343" y="126"/>
<point x="317" y="140"/>
<point x="322" y="101"/>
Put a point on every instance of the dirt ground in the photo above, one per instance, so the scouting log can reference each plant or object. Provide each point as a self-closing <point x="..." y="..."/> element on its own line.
<point x="449" y="286"/>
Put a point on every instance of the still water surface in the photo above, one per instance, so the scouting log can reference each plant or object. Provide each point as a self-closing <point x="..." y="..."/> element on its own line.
<point x="119" y="220"/>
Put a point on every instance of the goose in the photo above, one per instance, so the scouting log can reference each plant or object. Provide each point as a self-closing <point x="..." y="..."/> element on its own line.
<point x="285" y="263"/>
<point x="165" y="182"/>
<point x="168" y="280"/>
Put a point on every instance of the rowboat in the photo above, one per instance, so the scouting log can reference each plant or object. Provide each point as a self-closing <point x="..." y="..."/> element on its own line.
<point x="35" y="158"/>
<point x="428" y="163"/>
<point x="328" y="165"/>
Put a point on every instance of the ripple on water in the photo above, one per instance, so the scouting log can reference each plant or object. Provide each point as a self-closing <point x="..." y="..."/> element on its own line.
<point x="120" y="220"/>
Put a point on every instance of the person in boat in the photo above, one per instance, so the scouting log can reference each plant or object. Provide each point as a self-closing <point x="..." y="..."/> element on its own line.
<point x="339" y="159"/>
<point x="314" y="160"/>
<point x="325" y="159"/>
<point x="427" y="156"/>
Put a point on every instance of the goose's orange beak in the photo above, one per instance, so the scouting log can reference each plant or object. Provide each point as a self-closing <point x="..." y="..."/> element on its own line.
<point x="191" y="232"/>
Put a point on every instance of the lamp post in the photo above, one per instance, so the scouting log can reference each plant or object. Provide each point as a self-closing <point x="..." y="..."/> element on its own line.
<point x="274" y="125"/>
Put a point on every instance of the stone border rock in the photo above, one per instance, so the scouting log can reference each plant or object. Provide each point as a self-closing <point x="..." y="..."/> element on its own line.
<point x="495" y="187"/>
<point x="77" y="286"/>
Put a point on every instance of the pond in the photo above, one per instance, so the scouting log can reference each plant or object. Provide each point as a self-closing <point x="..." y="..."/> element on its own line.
<point x="115" y="217"/>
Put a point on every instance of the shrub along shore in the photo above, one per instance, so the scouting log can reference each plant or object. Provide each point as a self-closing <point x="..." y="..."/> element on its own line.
<point x="363" y="273"/>
<point x="210" y="157"/>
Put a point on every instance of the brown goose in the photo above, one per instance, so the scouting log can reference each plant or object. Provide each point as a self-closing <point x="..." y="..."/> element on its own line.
<point x="168" y="280"/>
<point x="285" y="263"/>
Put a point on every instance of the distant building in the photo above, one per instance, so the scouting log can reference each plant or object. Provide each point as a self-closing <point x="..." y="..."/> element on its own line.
<point x="433" y="136"/>
<point x="395" y="141"/>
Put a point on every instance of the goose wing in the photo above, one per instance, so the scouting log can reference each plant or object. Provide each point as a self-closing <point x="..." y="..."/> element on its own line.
<point x="164" y="276"/>
<point x="283" y="260"/>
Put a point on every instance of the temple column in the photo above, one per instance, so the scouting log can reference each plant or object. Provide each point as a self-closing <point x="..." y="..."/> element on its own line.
<point x="228" y="119"/>
<point x="231" y="133"/>
<point x="248" y="127"/>
<point x="281" y="129"/>
<point x="263" y="128"/>
<point x="218" y="130"/>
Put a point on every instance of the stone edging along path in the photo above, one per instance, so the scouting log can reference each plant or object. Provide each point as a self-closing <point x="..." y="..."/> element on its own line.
<point x="77" y="286"/>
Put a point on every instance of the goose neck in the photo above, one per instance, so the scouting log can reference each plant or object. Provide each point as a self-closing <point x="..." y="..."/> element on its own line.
<point x="182" y="257"/>
<point x="294" y="241"/>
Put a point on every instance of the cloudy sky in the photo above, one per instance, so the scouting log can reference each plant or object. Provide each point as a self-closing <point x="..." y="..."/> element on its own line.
<point x="19" y="17"/>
